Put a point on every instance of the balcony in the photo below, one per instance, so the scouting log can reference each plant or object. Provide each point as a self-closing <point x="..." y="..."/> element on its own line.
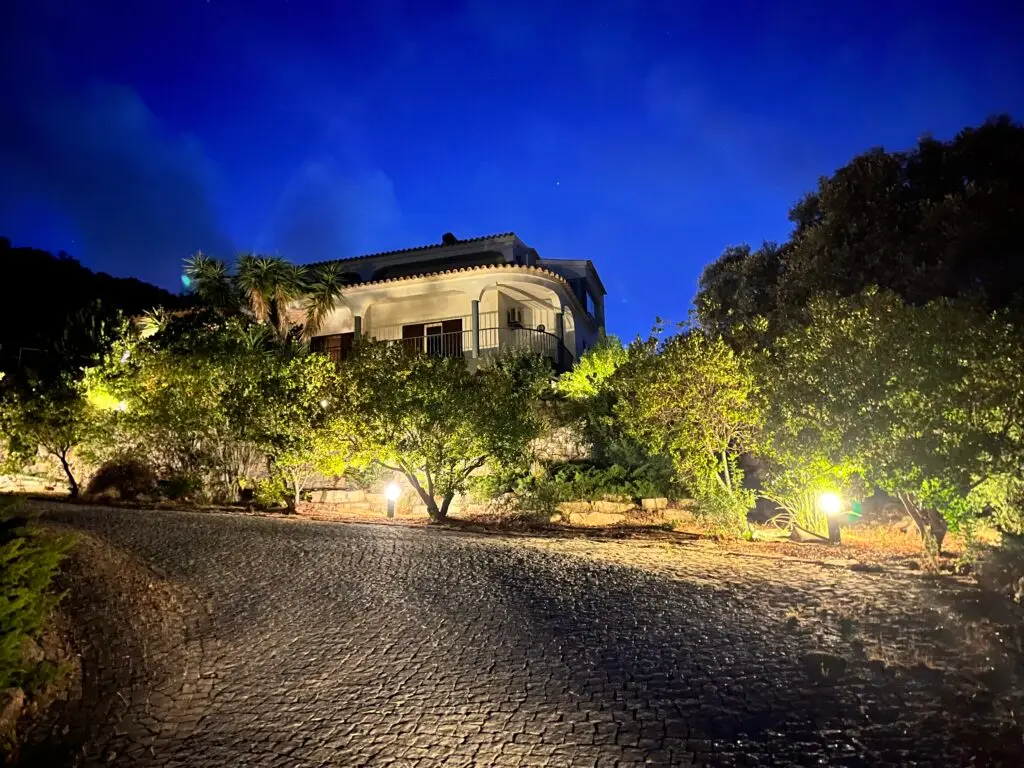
<point x="456" y="337"/>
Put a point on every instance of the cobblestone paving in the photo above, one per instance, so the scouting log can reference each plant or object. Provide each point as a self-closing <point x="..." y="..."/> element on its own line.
<point x="307" y="644"/>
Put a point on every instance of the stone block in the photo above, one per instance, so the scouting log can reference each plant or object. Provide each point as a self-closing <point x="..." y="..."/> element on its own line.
<point x="613" y="507"/>
<point x="654" y="505"/>
<point x="595" y="519"/>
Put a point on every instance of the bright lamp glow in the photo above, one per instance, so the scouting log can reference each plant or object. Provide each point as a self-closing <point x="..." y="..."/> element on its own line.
<point x="121" y="406"/>
<point x="830" y="503"/>
<point x="392" y="492"/>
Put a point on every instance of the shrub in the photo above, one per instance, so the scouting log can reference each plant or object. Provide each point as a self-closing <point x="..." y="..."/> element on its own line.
<point x="28" y="563"/>
<point x="576" y="481"/>
<point x="128" y="478"/>
<point x="271" y="492"/>
<point x="181" y="487"/>
<point x="539" y="503"/>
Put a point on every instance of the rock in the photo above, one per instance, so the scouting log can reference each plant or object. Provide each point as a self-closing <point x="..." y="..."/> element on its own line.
<point x="12" y="701"/>
<point x="31" y="653"/>
<point x="654" y="505"/>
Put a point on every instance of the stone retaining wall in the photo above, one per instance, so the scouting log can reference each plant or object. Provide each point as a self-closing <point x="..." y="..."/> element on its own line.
<point x="332" y="504"/>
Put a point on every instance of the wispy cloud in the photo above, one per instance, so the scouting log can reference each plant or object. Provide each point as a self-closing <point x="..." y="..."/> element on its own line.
<point x="135" y="192"/>
<point x="329" y="211"/>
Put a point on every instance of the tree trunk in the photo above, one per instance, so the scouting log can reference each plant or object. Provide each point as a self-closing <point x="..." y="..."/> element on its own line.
<point x="442" y="513"/>
<point x="930" y="522"/>
<point x="432" y="510"/>
<point x="297" y="496"/>
<point x="72" y="483"/>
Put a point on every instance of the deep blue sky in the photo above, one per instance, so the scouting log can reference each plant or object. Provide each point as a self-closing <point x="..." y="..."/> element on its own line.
<point x="646" y="136"/>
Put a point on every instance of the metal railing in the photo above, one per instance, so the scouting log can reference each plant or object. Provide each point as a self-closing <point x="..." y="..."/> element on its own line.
<point x="394" y="332"/>
<point x="456" y="344"/>
<point x="493" y="339"/>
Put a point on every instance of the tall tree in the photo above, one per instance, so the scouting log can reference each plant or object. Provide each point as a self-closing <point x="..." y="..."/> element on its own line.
<point x="694" y="399"/>
<point x="942" y="220"/>
<point x="927" y="402"/>
<point x="265" y="286"/>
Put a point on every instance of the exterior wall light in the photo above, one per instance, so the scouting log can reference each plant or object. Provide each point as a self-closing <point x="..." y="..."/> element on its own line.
<point x="391" y="493"/>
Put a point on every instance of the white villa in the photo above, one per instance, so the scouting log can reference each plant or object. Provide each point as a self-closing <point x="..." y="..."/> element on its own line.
<point x="469" y="298"/>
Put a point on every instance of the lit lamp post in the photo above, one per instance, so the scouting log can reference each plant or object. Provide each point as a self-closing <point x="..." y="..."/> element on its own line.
<point x="391" y="493"/>
<point x="831" y="505"/>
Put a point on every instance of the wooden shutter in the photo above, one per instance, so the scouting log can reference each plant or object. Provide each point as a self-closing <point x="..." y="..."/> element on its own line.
<point x="412" y="337"/>
<point x="452" y="337"/>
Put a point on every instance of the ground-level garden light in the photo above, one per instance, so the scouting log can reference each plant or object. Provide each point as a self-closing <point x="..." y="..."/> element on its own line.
<point x="391" y="493"/>
<point x="831" y="505"/>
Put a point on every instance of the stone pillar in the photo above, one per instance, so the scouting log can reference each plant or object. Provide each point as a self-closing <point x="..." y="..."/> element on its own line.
<point x="476" y="327"/>
<point x="560" y="335"/>
<point x="357" y="325"/>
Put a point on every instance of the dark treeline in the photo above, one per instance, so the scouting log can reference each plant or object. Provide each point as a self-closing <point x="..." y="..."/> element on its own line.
<point x="58" y="314"/>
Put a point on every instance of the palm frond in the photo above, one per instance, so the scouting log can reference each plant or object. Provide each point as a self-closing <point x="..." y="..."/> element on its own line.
<point x="152" y="322"/>
<point x="208" y="279"/>
<point x="325" y="286"/>
<point x="254" y="275"/>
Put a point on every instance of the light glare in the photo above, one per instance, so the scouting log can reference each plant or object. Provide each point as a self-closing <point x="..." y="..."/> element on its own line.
<point x="392" y="492"/>
<point x="830" y="503"/>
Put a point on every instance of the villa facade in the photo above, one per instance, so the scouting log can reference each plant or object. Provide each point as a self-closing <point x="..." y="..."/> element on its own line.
<point x="471" y="299"/>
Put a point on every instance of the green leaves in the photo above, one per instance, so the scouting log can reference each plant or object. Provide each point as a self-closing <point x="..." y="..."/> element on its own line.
<point x="695" y="399"/>
<point x="925" y="401"/>
<point x="264" y="287"/>
<point x="434" y="421"/>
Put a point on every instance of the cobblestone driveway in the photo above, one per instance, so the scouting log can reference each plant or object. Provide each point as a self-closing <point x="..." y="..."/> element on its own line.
<point x="290" y="643"/>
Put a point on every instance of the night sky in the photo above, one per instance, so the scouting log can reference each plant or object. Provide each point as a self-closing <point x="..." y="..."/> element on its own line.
<point x="646" y="136"/>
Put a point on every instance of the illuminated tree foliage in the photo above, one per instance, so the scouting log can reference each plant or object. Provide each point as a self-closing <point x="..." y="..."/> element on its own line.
<point x="53" y="419"/>
<point x="436" y="423"/>
<point x="927" y="402"/>
<point x="694" y="399"/>
<point x="211" y="400"/>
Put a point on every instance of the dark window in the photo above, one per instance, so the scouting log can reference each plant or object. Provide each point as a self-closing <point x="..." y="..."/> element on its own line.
<point x="337" y="346"/>
<point x="451" y="344"/>
<point x="412" y="337"/>
<point x="442" y="339"/>
<point x="435" y="340"/>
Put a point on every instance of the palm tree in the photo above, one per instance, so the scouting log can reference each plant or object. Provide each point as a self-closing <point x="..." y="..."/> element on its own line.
<point x="323" y="289"/>
<point x="264" y="286"/>
<point x="208" y="278"/>
<point x="268" y="284"/>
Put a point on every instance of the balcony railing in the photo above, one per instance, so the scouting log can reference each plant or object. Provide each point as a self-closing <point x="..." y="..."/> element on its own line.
<point x="437" y="340"/>
<point x="493" y="341"/>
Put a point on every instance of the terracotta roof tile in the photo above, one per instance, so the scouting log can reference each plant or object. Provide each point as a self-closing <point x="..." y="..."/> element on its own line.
<point x="458" y="270"/>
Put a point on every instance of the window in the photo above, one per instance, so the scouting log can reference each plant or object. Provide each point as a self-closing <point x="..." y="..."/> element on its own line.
<point x="439" y="338"/>
<point x="515" y="317"/>
<point x="337" y="346"/>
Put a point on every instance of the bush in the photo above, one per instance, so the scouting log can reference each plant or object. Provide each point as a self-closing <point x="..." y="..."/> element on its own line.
<point x="128" y="478"/>
<point x="28" y="563"/>
<point x="579" y="481"/>
<point x="271" y="492"/>
<point x="181" y="487"/>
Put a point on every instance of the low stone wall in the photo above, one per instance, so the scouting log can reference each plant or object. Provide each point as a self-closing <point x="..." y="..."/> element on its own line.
<point x="333" y="504"/>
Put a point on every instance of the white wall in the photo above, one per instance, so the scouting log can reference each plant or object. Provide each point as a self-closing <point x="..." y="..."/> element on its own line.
<point x="387" y="316"/>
